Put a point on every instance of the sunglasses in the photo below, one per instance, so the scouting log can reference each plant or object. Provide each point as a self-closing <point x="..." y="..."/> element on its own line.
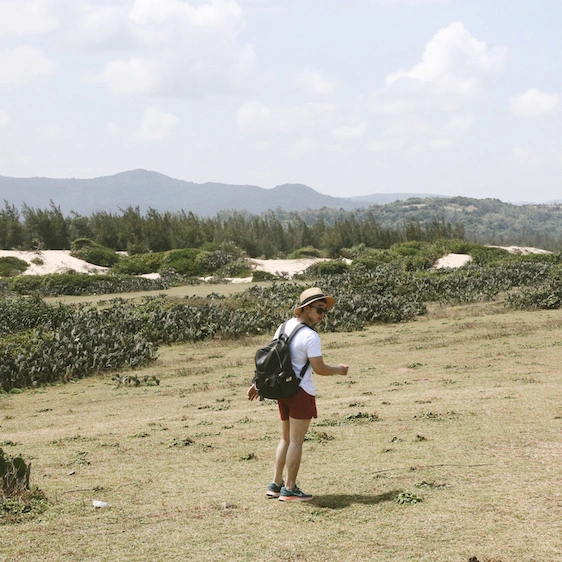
<point x="320" y="311"/>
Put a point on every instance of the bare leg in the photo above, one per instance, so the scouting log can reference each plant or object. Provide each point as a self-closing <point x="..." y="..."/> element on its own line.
<point x="281" y="453"/>
<point x="297" y="431"/>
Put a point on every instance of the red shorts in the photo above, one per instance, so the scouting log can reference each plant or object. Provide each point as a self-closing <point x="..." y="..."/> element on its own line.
<point x="301" y="406"/>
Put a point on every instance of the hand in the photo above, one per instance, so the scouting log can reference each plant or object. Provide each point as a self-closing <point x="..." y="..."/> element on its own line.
<point x="252" y="393"/>
<point x="343" y="369"/>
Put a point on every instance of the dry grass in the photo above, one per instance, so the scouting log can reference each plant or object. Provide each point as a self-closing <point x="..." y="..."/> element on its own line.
<point x="181" y="292"/>
<point x="460" y="409"/>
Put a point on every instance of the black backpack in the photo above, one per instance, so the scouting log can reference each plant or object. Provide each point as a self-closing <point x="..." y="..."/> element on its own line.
<point x="274" y="376"/>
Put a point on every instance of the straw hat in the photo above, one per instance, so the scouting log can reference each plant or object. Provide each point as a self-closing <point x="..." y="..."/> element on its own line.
<point x="312" y="295"/>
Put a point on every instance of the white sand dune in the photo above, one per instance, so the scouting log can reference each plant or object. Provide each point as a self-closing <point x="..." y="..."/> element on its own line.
<point x="452" y="261"/>
<point x="52" y="261"/>
<point x="458" y="260"/>
<point x="285" y="267"/>
<point x="60" y="261"/>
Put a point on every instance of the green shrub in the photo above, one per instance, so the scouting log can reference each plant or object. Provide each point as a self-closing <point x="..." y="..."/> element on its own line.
<point x="411" y="248"/>
<point x="181" y="261"/>
<point x="139" y="264"/>
<point x="306" y="252"/>
<point x="26" y="284"/>
<point x="14" y="473"/>
<point x="11" y="266"/>
<point x="237" y="268"/>
<point x="358" y="251"/>
<point x="260" y="275"/>
<point x="332" y="267"/>
<point x="482" y="255"/>
<point x="529" y="258"/>
<point x="57" y="284"/>
<point x="373" y="260"/>
<point x="209" y="262"/>
<point x="91" y="252"/>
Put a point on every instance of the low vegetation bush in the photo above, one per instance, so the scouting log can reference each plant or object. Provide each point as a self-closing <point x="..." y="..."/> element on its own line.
<point x="14" y="475"/>
<point x="138" y="264"/>
<point x="91" y="252"/>
<point x="546" y="293"/>
<point x="306" y="252"/>
<point x="11" y="266"/>
<point x="260" y="275"/>
<point x="238" y="268"/>
<point x="58" y="284"/>
<point x="211" y="261"/>
<point x="332" y="267"/>
<point x="42" y="343"/>
<point x="183" y="262"/>
<point x="57" y="342"/>
<point x="18" y="501"/>
<point x="189" y="262"/>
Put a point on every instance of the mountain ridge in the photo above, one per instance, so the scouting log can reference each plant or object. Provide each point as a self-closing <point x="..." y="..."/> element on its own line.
<point x="149" y="189"/>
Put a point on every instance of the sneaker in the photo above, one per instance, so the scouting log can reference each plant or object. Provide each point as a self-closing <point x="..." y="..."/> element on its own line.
<point x="273" y="490"/>
<point x="294" y="495"/>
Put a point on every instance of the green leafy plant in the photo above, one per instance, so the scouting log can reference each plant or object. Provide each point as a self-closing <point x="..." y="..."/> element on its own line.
<point x="11" y="266"/>
<point x="260" y="275"/>
<point x="14" y="472"/>
<point x="408" y="498"/>
<point x="91" y="252"/>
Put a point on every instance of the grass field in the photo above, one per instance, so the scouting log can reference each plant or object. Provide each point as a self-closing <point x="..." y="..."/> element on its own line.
<point x="443" y="444"/>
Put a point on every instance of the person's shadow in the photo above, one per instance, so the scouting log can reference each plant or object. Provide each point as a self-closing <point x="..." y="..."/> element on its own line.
<point x="339" y="501"/>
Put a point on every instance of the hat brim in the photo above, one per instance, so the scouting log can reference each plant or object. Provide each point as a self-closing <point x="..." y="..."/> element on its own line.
<point x="330" y="301"/>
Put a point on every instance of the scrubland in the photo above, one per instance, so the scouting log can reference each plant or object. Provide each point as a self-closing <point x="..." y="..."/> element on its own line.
<point x="443" y="444"/>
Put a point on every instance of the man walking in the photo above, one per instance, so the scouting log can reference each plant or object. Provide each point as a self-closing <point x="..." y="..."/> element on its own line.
<point x="297" y="412"/>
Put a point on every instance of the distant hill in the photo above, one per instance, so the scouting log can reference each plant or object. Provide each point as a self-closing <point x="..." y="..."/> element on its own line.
<point x="147" y="189"/>
<point x="384" y="198"/>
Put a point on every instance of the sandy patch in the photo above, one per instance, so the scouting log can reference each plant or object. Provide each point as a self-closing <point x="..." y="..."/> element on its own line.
<point x="286" y="268"/>
<point x="60" y="261"/>
<point x="458" y="260"/>
<point x="52" y="261"/>
<point x="522" y="249"/>
<point x="452" y="260"/>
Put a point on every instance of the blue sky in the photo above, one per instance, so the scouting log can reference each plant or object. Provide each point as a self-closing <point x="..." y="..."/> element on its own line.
<point x="354" y="97"/>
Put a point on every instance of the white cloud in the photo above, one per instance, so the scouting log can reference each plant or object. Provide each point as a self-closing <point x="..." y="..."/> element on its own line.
<point x="432" y="105"/>
<point x="315" y="83"/>
<point x="4" y="118"/>
<point x="176" y="14"/>
<point x="409" y="2"/>
<point x="113" y="129"/>
<point x="417" y="133"/>
<point x="350" y="131"/>
<point x="97" y="26"/>
<point x="304" y="145"/>
<point x="455" y="127"/>
<point x="138" y="75"/>
<point x="533" y="103"/>
<point x="453" y="62"/>
<point x="254" y="116"/>
<point x="257" y="118"/>
<point x="381" y="103"/>
<point x="156" y="124"/>
<point x="182" y="49"/>
<point x="52" y="133"/>
<point x="26" y="17"/>
<point x="23" y="64"/>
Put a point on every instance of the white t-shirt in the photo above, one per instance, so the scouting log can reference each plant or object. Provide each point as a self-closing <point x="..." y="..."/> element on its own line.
<point x="304" y="345"/>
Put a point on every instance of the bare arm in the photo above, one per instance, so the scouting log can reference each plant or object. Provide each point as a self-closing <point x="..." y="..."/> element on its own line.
<point x="252" y="393"/>
<point x="320" y="368"/>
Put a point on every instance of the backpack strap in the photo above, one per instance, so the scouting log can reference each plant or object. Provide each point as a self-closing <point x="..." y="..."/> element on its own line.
<point x="293" y="334"/>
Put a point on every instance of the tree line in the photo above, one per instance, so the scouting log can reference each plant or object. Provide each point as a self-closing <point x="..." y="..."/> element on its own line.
<point x="269" y="235"/>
